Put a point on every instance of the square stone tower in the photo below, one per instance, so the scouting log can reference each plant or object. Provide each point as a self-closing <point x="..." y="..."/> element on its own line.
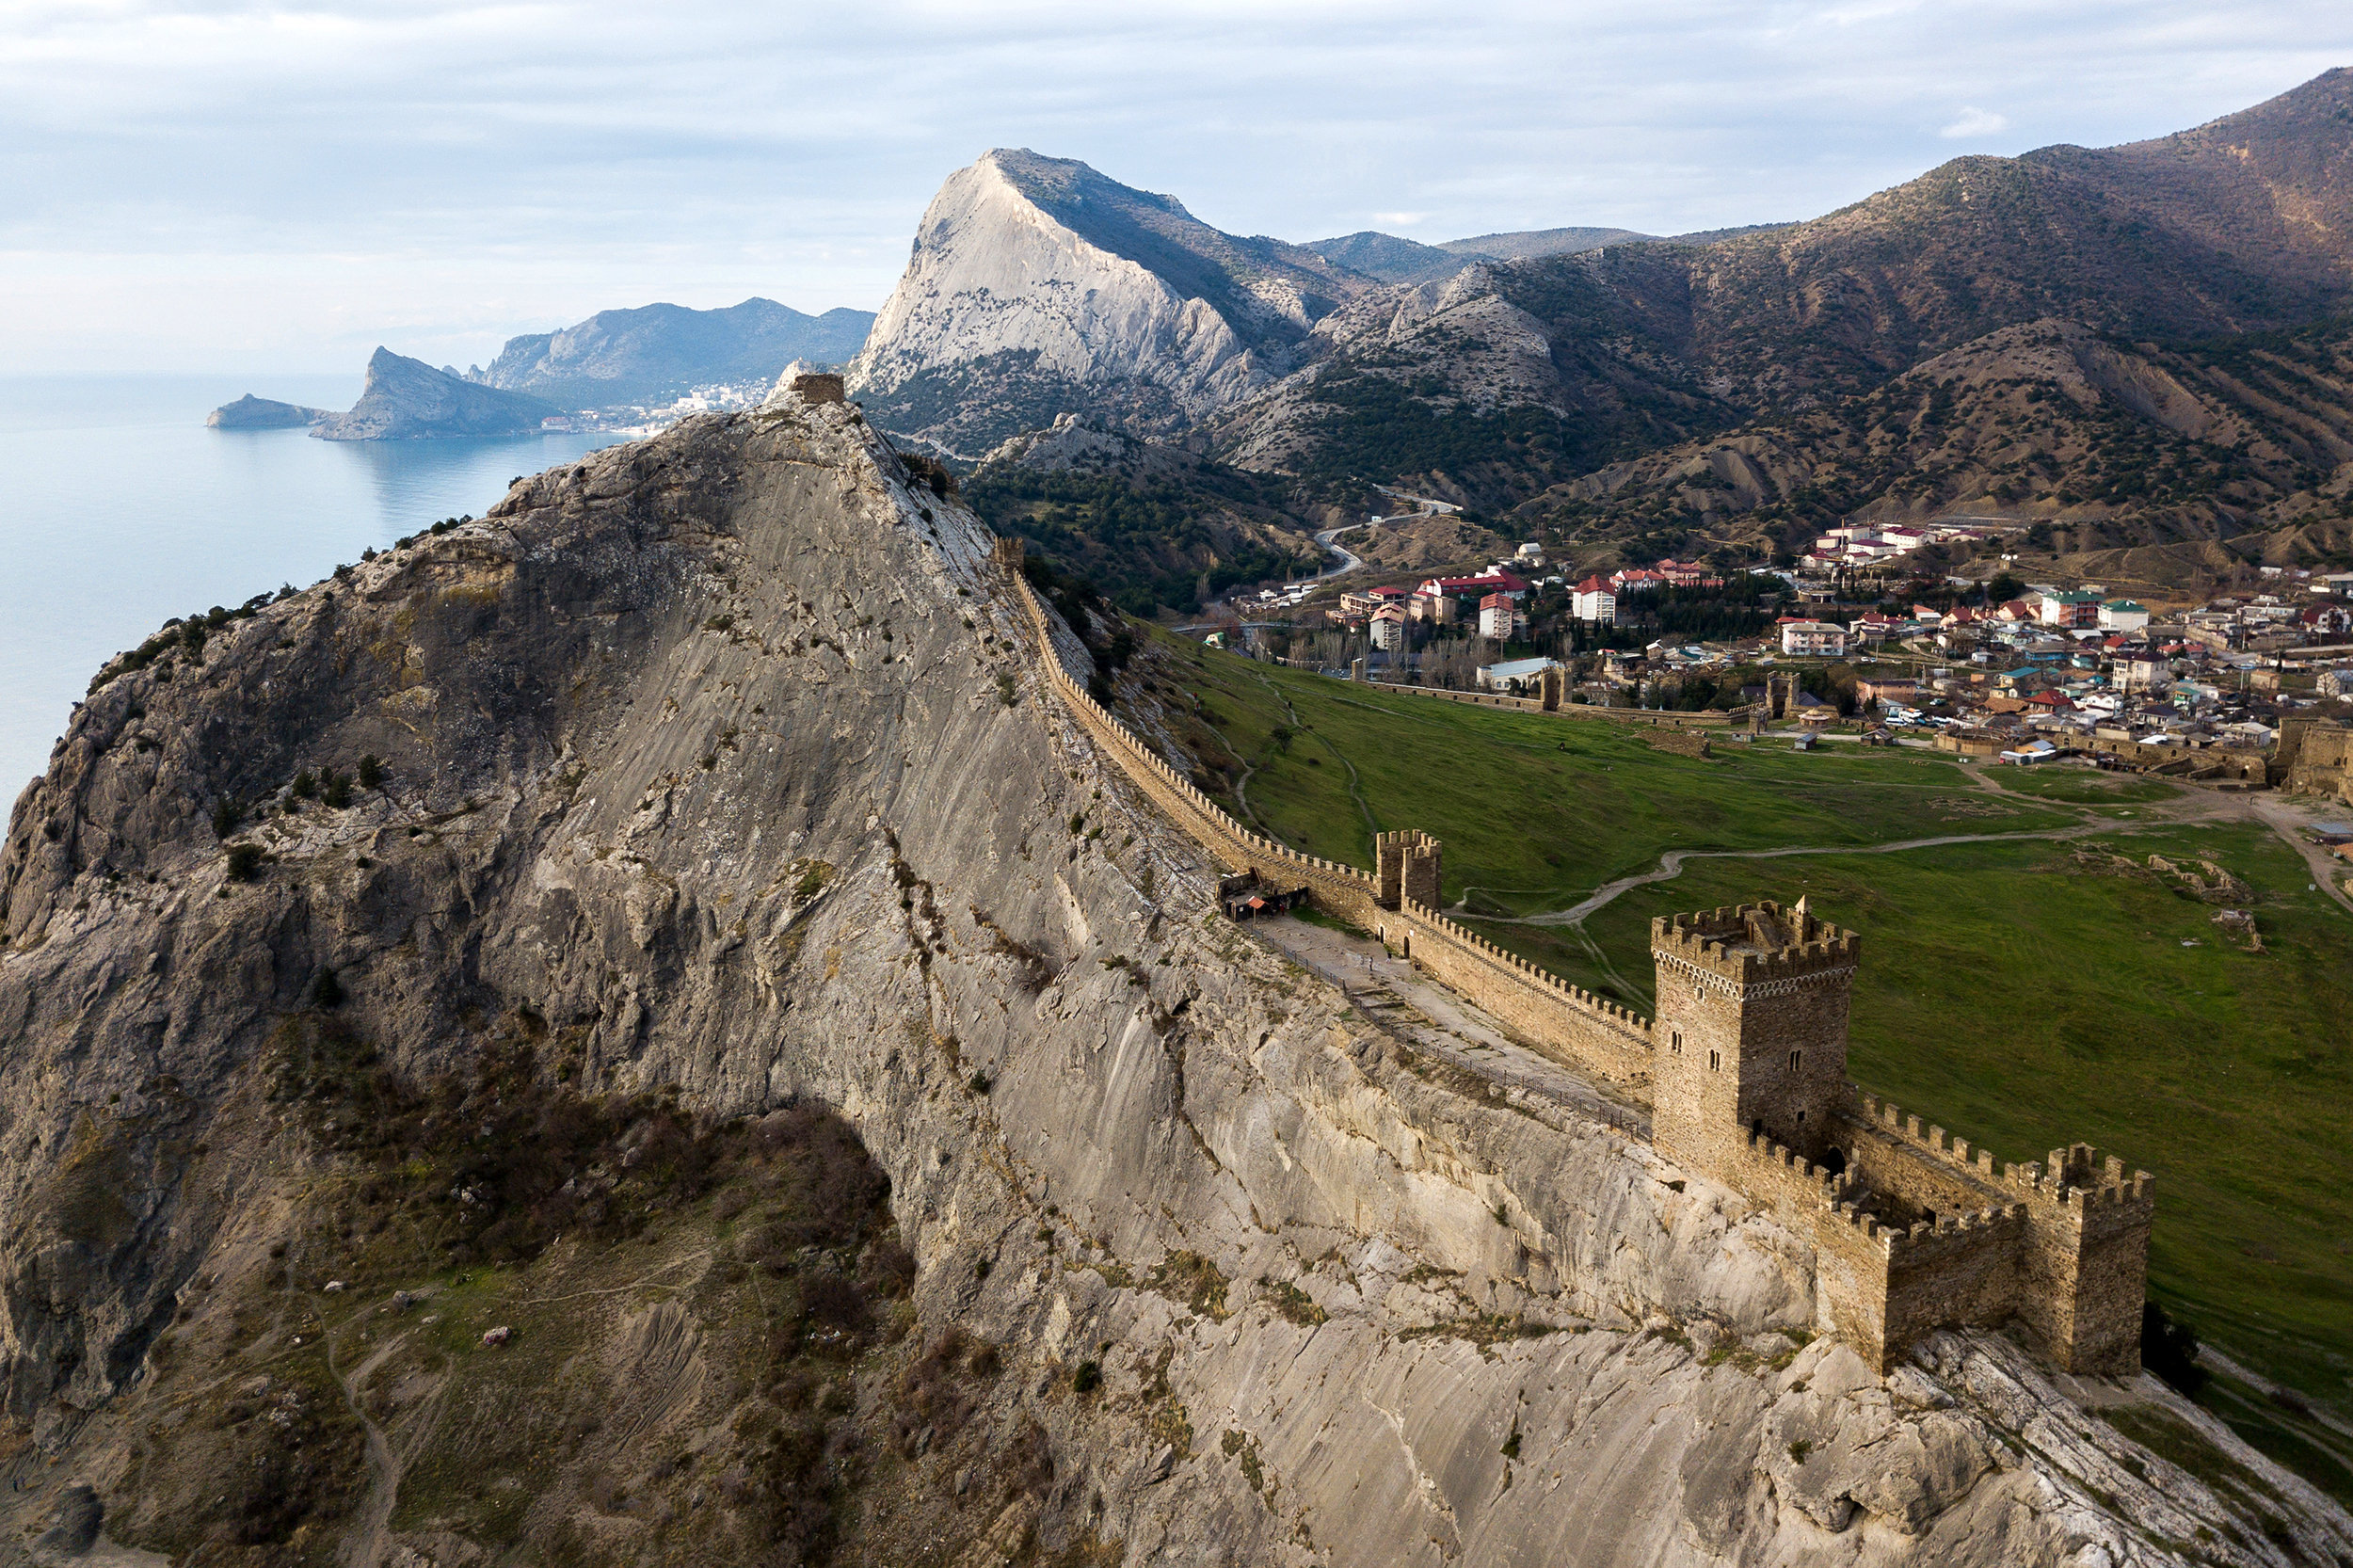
<point x="1406" y="865"/>
<point x="1752" y="1030"/>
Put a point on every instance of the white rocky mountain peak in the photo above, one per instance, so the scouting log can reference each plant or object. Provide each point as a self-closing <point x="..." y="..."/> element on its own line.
<point x="1038" y="286"/>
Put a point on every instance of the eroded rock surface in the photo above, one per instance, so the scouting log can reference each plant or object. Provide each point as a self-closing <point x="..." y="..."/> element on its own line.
<point x="716" y="772"/>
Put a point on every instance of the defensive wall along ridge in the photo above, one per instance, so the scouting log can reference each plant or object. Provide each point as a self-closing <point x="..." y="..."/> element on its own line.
<point x="1744" y="1072"/>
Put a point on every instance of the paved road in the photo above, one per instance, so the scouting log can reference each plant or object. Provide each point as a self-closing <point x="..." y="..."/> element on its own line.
<point x="1428" y="503"/>
<point x="1346" y="561"/>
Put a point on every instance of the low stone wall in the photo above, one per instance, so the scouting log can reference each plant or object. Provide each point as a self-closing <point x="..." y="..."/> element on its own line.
<point x="2195" y="762"/>
<point x="1648" y="718"/>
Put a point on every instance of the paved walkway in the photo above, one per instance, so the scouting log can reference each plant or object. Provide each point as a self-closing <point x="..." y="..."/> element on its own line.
<point x="1405" y="1003"/>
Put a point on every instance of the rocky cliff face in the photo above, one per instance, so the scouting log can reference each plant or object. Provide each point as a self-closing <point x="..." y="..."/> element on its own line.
<point x="1038" y="287"/>
<point x="430" y="1170"/>
<point x="406" y="398"/>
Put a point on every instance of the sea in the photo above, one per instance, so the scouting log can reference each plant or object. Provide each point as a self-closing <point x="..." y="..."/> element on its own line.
<point x="119" y="509"/>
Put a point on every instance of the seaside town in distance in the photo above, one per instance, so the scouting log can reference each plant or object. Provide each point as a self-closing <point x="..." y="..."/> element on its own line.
<point x="1992" y="667"/>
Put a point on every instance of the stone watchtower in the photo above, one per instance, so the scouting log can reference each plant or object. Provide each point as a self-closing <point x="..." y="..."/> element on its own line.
<point x="1407" y="865"/>
<point x="1752" y="1030"/>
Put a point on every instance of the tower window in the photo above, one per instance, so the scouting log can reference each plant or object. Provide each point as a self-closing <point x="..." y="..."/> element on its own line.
<point x="1674" y="1040"/>
<point x="1795" y="1056"/>
<point x="1715" y="1062"/>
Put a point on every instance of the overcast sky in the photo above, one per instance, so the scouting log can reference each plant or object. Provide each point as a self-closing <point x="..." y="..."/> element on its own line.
<point x="279" y="187"/>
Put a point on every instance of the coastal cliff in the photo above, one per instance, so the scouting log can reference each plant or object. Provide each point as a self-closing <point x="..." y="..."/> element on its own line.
<point x="405" y="399"/>
<point x="641" y="1026"/>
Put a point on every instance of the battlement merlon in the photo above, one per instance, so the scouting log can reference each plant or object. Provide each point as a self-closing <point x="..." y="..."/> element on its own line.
<point x="1750" y="944"/>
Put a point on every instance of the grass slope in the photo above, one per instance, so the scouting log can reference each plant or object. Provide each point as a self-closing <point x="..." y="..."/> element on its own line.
<point x="2027" y="993"/>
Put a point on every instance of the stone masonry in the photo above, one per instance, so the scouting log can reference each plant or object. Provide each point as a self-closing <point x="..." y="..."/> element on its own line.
<point x="1745" y="1073"/>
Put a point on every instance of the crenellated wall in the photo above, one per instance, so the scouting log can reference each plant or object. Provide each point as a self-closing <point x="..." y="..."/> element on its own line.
<point x="1914" y="1232"/>
<point x="1570" y="1025"/>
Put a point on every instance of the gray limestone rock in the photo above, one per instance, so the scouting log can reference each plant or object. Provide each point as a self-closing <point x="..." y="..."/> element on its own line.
<point x="724" y="758"/>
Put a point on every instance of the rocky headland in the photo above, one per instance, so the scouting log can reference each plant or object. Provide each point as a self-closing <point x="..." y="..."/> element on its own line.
<point x="260" y="413"/>
<point x="407" y="399"/>
<point x="638" y="1027"/>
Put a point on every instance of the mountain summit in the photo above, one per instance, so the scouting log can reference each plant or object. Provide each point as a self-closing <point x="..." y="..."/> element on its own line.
<point x="1040" y="287"/>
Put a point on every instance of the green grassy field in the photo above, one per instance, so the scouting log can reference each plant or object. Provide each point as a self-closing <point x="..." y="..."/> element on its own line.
<point x="1537" y="812"/>
<point x="2024" y="993"/>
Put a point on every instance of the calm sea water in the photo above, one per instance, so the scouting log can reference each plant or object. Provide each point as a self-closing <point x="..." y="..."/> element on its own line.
<point x="119" y="510"/>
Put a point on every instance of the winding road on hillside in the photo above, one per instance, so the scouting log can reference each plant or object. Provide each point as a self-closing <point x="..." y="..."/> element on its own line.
<point x="1343" y="560"/>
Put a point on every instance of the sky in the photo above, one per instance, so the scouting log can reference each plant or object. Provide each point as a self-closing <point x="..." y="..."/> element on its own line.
<point x="278" y="189"/>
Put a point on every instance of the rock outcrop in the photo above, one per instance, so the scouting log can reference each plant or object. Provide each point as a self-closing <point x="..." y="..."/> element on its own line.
<point x="1039" y="287"/>
<point x="710" y="778"/>
<point x="407" y="399"/>
<point x="260" y="413"/>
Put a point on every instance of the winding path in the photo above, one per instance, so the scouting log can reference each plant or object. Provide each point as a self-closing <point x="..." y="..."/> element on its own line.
<point x="1670" y="865"/>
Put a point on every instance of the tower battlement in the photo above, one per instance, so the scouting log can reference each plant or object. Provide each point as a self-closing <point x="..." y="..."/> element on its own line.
<point x="1406" y="867"/>
<point x="1750" y="944"/>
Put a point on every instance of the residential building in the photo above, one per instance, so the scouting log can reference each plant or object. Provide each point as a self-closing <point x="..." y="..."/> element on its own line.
<point x="1594" y="604"/>
<point x="1476" y="587"/>
<point x="1435" y="608"/>
<point x="1366" y="602"/>
<point x="2122" y="614"/>
<point x="1520" y="672"/>
<point x="2070" y="609"/>
<point x="1501" y="619"/>
<point x="1388" y="628"/>
<point x="1813" y="638"/>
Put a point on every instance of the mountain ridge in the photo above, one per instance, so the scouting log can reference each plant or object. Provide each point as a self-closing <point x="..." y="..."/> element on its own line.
<point x="2243" y="225"/>
<point x="654" y="353"/>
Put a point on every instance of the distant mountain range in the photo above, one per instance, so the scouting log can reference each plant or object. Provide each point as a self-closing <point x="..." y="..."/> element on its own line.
<point x="654" y="354"/>
<point x="1513" y="372"/>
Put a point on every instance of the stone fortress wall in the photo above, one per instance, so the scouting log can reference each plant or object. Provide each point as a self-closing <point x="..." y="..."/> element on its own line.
<point x="2315" y="757"/>
<point x="1644" y="718"/>
<point x="1745" y="1075"/>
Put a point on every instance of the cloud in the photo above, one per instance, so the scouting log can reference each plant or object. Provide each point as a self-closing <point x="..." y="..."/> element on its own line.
<point x="1973" y="121"/>
<point x="199" y="184"/>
